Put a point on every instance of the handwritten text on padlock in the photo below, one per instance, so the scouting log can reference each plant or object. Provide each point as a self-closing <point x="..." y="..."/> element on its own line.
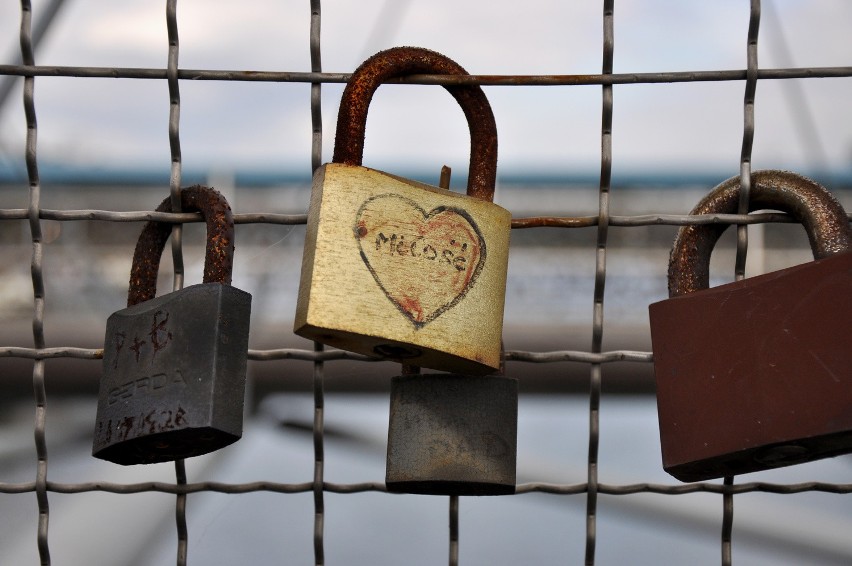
<point x="424" y="262"/>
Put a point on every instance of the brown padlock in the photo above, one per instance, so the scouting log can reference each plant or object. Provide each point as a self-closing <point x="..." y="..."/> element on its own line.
<point x="756" y="374"/>
<point x="400" y="269"/>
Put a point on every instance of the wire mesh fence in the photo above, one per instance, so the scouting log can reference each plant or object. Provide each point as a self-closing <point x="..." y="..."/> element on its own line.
<point x="592" y="486"/>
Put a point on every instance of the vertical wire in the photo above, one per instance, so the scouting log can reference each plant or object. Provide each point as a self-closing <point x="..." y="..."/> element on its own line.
<point x="444" y="183"/>
<point x="174" y="138"/>
<point x="600" y="283"/>
<point x="319" y="369"/>
<point x="742" y="232"/>
<point x="177" y="250"/>
<point x="727" y="522"/>
<point x="36" y="272"/>
<point x="454" y="530"/>
<point x="319" y="460"/>
<point x="748" y="137"/>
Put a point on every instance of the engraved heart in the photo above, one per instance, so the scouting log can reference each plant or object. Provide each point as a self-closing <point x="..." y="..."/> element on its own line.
<point x="425" y="262"/>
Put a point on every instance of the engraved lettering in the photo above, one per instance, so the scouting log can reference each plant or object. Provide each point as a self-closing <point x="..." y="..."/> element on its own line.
<point x="160" y="335"/>
<point x="119" y="344"/>
<point x="159" y="380"/>
<point x="146" y="385"/>
<point x="137" y="347"/>
<point x="145" y="423"/>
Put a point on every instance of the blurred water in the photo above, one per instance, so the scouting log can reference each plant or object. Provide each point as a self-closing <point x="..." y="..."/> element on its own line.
<point x="376" y="528"/>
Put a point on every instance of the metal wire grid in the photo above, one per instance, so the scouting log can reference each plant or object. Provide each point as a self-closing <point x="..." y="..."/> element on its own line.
<point x="595" y="358"/>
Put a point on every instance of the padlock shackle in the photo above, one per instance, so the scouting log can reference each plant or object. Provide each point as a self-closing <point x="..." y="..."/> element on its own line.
<point x="807" y="201"/>
<point x="402" y="61"/>
<point x="219" y="253"/>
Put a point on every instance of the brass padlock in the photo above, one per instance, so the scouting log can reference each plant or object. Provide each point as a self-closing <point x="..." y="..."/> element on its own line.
<point x="756" y="374"/>
<point x="452" y="434"/>
<point x="400" y="269"/>
<point x="174" y="366"/>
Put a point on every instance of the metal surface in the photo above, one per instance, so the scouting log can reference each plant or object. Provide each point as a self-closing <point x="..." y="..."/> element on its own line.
<point x="559" y="493"/>
<point x="763" y="380"/>
<point x="174" y="366"/>
<point x="824" y="220"/>
<point x="452" y="434"/>
<point x="401" y="61"/>
<point x="219" y="251"/>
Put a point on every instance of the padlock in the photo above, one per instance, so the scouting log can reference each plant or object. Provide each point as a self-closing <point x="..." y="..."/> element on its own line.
<point x="399" y="269"/>
<point x="756" y="374"/>
<point x="452" y="434"/>
<point x="174" y="366"/>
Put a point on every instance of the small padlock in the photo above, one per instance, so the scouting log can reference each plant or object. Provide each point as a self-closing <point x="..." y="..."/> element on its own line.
<point x="756" y="374"/>
<point x="174" y="366"/>
<point x="400" y="269"/>
<point x="452" y="434"/>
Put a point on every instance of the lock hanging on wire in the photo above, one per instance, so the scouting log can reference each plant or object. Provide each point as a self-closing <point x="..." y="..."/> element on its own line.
<point x="756" y="374"/>
<point x="451" y="434"/>
<point x="399" y="269"/>
<point x="174" y="366"/>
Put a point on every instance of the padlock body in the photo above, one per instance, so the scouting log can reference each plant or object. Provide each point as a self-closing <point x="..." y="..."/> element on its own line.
<point x="756" y="374"/>
<point x="403" y="270"/>
<point x="173" y="382"/>
<point x="452" y="435"/>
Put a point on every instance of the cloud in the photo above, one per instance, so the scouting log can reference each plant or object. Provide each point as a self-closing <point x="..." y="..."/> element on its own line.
<point x="655" y="126"/>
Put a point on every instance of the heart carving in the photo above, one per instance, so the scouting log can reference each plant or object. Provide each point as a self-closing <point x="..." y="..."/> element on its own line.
<point x="424" y="262"/>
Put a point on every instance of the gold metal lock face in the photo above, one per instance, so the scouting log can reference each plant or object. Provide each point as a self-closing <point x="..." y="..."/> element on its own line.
<point x="400" y="269"/>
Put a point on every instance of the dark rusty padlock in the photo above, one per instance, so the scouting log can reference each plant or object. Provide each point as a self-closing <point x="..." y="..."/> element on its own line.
<point x="756" y="374"/>
<point x="452" y="434"/>
<point x="400" y="269"/>
<point x="174" y="366"/>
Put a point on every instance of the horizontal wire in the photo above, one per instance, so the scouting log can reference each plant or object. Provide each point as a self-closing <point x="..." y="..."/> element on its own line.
<point x="489" y="80"/>
<point x="533" y="487"/>
<point x="336" y="355"/>
<point x="517" y="223"/>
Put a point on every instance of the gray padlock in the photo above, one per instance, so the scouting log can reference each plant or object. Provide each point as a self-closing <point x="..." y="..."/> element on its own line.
<point x="452" y="434"/>
<point x="174" y="366"/>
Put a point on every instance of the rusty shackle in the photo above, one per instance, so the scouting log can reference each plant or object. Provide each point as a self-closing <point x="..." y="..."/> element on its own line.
<point x="807" y="201"/>
<point x="219" y="254"/>
<point x="402" y="61"/>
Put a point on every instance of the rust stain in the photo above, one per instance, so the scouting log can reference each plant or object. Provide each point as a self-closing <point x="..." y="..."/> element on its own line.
<point x="403" y="61"/>
<point x="809" y="202"/>
<point x="219" y="253"/>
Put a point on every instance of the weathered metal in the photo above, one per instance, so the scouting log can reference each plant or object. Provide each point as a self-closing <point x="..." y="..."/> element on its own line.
<point x="174" y="366"/>
<point x="757" y="373"/>
<point x="400" y="269"/>
<point x="452" y="434"/>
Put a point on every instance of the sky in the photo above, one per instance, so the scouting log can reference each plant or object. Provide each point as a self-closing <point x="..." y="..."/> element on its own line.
<point x="232" y="126"/>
